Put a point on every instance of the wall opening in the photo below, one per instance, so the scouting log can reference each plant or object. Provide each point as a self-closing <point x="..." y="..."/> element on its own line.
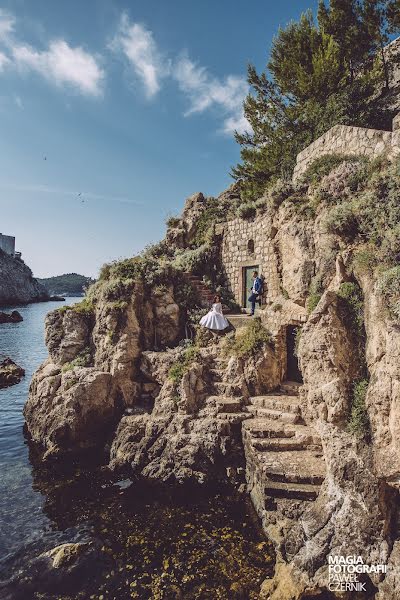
<point x="247" y="279"/>
<point x="250" y="246"/>
<point x="293" y="372"/>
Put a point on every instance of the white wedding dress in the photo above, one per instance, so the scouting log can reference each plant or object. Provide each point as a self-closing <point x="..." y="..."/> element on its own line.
<point x="215" y="319"/>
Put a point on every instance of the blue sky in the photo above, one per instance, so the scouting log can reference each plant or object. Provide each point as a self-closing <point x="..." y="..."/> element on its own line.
<point x="114" y="111"/>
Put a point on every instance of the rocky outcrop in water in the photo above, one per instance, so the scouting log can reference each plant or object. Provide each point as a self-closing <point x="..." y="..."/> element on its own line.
<point x="13" y="317"/>
<point x="17" y="284"/>
<point x="10" y="373"/>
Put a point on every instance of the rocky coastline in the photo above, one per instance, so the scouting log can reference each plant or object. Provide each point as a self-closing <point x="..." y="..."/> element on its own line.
<point x="319" y="458"/>
<point x="17" y="284"/>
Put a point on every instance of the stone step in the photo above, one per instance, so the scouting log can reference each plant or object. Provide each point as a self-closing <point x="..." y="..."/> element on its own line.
<point x="233" y="418"/>
<point x="229" y="405"/>
<point x="281" y="444"/>
<point x="269" y="413"/>
<point x="238" y="321"/>
<point x="277" y="402"/>
<point x="294" y="466"/>
<point x="220" y="388"/>
<point x="295" y="491"/>
<point x="290" y="387"/>
<point x="217" y="374"/>
<point x="269" y="428"/>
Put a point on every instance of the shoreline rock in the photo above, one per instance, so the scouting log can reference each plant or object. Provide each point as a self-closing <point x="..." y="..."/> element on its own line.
<point x="13" y="317"/>
<point x="10" y="373"/>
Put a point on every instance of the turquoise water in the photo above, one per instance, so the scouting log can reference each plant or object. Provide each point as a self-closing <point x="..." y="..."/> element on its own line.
<point x="159" y="542"/>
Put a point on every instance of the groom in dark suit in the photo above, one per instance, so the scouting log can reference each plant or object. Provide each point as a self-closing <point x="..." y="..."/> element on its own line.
<point x="256" y="291"/>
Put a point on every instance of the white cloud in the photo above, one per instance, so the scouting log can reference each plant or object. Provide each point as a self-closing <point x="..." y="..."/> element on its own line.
<point x="205" y="91"/>
<point x="4" y="61"/>
<point x="62" y="64"/>
<point x="138" y="45"/>
<point x="7" y="24"/>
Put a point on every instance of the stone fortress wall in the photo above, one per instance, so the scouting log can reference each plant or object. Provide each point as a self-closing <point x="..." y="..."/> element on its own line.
<point x="7" y="244"/>
<point x="357" y="141"/>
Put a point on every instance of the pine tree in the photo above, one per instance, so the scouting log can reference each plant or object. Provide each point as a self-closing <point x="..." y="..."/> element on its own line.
<point x="319" y="75"/>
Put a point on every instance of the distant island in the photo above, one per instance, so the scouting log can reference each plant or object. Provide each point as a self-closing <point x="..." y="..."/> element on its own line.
<point x="70" y="284"/>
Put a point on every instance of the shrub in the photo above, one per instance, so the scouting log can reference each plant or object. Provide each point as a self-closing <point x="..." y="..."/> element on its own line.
<point x="359" y="422"/>
<point x="280" y="191"/>
<point x="365" y="259"/>
<point x="83" y="359"/>
<point x="276" y="307"/>
<point x="193" y="260"/>
<point x="351" y="293"/>
<point x="118" y="289"/>
<point x="173" y="222"/>
<point x="323" y="165"/>
<point x="341" y="181"/>
<point x="85" y="307"/>
<point x="315" y="293"/>
<point x="248" y="340"/>
<point x="341" y="220"/>
<point x="247" y="210"/>
<point x="183" y="364"/>
<point x="388" y="286"/>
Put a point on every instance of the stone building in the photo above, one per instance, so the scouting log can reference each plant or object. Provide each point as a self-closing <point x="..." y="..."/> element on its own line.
<point x="257" y="245"/>
<point x="7" y="244"/>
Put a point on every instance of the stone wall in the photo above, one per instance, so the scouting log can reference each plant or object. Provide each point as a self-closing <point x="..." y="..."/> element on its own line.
<point x="239" y="238"/>
<point x="343" y="139"/>
<point x="7" y="244"/>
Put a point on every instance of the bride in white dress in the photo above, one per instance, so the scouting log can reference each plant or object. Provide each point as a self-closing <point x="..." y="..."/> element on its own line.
<point x="215" y="319"/>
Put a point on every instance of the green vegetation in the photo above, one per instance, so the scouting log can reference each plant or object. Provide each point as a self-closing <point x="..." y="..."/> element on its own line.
<point x="302" y="93"/>
<point x="389" y="288"/>
<point x="248" y="341"/>
<point x="173" y="221"/>
<point x="85" y="307"/>
<point x="247" y="210"/>
<point x="315" y="293"/>
<point x="70" y="284"/>
<point x="341" y="220"/>
<point x="351" y="294"/>
<point x="83" y="359"/>
<point x="183" y="364"/>
<point x="324" y="165"/>
<point x="359" y="423"/>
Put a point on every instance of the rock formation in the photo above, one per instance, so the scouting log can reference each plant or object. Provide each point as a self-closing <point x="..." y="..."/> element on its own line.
<point x="17" y="284"/>
<point x="10" y="373"/>
<point x="319" y="457"/>
<point x="13" y="317"/>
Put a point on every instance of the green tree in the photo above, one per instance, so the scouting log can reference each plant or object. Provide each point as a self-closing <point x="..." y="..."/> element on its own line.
<point x="319" y="74"/>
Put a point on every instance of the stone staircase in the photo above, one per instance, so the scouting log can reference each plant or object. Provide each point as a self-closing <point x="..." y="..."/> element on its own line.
<point x="205" y="295"/>
<point x="227" y="397"/>
<point x="284" y="458"/>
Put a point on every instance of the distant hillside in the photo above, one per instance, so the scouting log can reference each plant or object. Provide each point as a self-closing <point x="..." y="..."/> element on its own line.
<point x="70" y="284"/>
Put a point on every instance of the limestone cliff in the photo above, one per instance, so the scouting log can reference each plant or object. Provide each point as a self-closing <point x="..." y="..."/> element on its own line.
<point x="17" y="284"/>
<point x="321" y="455"/>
